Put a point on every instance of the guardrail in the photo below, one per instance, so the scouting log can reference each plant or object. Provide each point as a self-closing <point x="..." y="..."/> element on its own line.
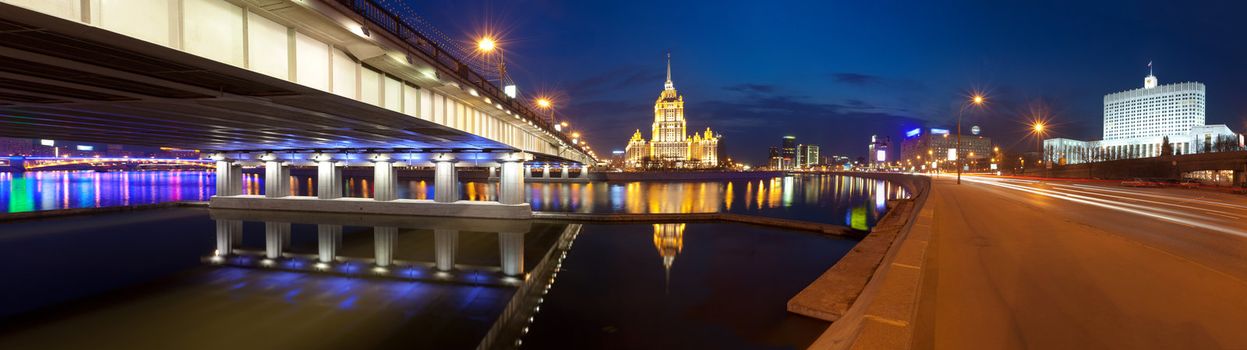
<point x="379" y="16"/>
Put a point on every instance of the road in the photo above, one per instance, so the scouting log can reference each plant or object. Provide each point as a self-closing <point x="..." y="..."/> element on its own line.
<point x="1019" y="264"/>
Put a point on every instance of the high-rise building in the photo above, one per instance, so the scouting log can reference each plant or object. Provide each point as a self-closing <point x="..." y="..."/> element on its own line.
<point x="807" y="156"/>
<point x="670" y="145"/>
<point x="934" y="147"/>
<point x="1138" y="122"/>
<point x="878" y="150"/>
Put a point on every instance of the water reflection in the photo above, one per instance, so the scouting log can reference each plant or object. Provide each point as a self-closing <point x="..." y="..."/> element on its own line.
<point x="722" y="294"/>
<point x="828" y="198"/>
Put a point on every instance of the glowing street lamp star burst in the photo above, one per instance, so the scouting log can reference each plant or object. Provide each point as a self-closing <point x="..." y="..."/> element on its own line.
<point x="486" y="44"/>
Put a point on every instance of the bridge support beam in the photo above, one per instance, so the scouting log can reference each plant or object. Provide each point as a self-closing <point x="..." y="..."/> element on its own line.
<point x="446" y="245"/>
<point x="228" y="176"/>
<point x="445" y="179"/>
<point x="276" y="177"/>
<point x="328" y="177"/>
<point x="545" y="171"/>
<point x="528" y="171"/>
<point x="511" y="185"/>
<point x="584" y="172"/>
<point x="329" y="239"/>
<point x="511" y="246"/>
<point x="276" y="238"/>
<point x="385" y="178"/>
<point x="228" y="233"/>
<point x="563" y="174"/>
<point x="384" y="238"/>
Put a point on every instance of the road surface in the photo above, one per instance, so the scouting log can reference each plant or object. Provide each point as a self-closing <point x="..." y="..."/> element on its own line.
<point x="1019" y="264"/>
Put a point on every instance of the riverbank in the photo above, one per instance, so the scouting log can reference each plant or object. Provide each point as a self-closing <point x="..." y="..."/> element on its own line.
<point x="870" y="294"/>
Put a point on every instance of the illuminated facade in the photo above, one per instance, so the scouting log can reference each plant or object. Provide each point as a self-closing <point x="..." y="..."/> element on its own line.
<point x="934" y="148"/>
<point x="1138" y="123"/>
<point x="670" y="145"/>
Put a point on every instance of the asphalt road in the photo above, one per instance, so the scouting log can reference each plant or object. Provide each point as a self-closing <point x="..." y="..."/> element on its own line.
<point x="1020" y="264"/>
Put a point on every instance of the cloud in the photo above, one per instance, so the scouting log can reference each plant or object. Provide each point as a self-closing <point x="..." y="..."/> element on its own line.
<point x="617" y="78"/>
<point x="751" y="88"/>
<point x="856" y="78"/>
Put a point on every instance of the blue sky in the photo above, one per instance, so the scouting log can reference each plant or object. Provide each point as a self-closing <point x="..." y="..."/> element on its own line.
<point x="834" y="72"/>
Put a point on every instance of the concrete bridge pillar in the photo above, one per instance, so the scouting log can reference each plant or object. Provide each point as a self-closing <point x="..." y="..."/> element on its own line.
<point x="228" y="176"/>
<point x="228" y="233"/>
<point x="328" y="177"/>
<point x="528" y="171"/>
<point x="329" y="239"/>
<point x="493" y="172"/>
<point x="511" y="185"/>
<point x="385" y="178"/>
<point x="384" y="238"/>
<point x="276" y="176"/>
<point x="276" y="238"/>
<point x="563" y="174"/>
<point x="545" y="171"/>
<point x="511" y="245"/>
<point x="584" y="172"/>
<point x="445" y="179"/>
<point x="446" y="244"/>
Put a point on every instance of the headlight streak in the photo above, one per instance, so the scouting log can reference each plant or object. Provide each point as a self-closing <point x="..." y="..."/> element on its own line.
<point x="1115" y="206"/>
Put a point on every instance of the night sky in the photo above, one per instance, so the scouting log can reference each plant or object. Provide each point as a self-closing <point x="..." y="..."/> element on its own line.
<point x="834" y="72"/>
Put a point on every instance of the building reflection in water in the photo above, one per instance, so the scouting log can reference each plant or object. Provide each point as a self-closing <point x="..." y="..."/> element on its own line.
<point x="669" y="240"/>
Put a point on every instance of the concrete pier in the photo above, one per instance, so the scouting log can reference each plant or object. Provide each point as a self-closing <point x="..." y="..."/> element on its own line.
<point x="445" y="180"/>
<point x="511" y="247"/>
<point x="446" y="245"/>
<point x="329" y="240"/>
<point x="228" y="176"/>
<point x="384" y="178"/>
<point x="328" y="177"/>
<point x="511" y="185"/>
<point x="276" y="176"/>
<point x="276" y="238"/>
<point x="228" y="233"/>
<point x="384" y="238"/>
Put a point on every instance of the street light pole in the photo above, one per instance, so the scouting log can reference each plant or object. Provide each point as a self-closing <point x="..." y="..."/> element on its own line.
<point x="977" y="100"/>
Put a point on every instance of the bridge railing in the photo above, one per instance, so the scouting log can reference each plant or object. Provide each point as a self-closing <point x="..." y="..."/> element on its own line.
<point x="393" y="24"/>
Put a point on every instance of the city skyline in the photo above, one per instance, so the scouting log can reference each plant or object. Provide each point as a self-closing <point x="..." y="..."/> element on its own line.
<point x="890" y="82"/>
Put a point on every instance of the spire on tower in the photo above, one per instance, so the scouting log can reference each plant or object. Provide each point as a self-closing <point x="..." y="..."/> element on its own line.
<point x="669" y="85"/>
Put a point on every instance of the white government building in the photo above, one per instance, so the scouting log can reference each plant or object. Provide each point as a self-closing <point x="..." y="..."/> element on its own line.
<point x="1137" y="121"/>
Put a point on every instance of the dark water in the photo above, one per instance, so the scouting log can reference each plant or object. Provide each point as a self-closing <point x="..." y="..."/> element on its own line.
<point x="147" y="279"/>
<point x="848" y="201"/>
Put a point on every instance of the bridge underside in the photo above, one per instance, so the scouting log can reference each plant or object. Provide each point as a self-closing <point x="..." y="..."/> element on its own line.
<point x="65" y="80"/>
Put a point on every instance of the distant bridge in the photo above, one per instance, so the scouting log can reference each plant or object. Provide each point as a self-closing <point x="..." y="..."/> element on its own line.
<point x="17" y="164"/>
<point x="266" y="82"/>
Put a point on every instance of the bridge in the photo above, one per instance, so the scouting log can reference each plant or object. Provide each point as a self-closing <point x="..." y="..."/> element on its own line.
<point x="273" y="83"/>
<point x="19" y="164"/>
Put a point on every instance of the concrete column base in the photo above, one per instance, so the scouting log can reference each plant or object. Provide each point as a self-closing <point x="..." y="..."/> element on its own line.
<point x="228" y="232"/>
<point x="511" y="246"/>
<point x="276" y="237"/>
<point x="446" y="245"/>
<point x="329" y="240"/>
<point x="384" y="238"/>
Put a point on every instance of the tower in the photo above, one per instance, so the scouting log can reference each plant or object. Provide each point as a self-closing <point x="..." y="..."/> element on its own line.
<point x="669" y="141"/>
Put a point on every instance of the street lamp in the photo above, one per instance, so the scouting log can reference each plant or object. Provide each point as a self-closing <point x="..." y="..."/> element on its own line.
<point x="488" y="47"/>
<point x="1039" y="129"/>
<point x="976" y="100"/>
<point x="546" y="104"/>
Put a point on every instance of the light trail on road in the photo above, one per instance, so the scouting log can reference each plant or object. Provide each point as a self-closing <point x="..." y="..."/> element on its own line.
<point x="1174" y="216"/>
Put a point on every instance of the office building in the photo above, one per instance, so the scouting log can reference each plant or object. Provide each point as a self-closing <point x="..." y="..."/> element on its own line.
<point x="1138" y="122"/>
